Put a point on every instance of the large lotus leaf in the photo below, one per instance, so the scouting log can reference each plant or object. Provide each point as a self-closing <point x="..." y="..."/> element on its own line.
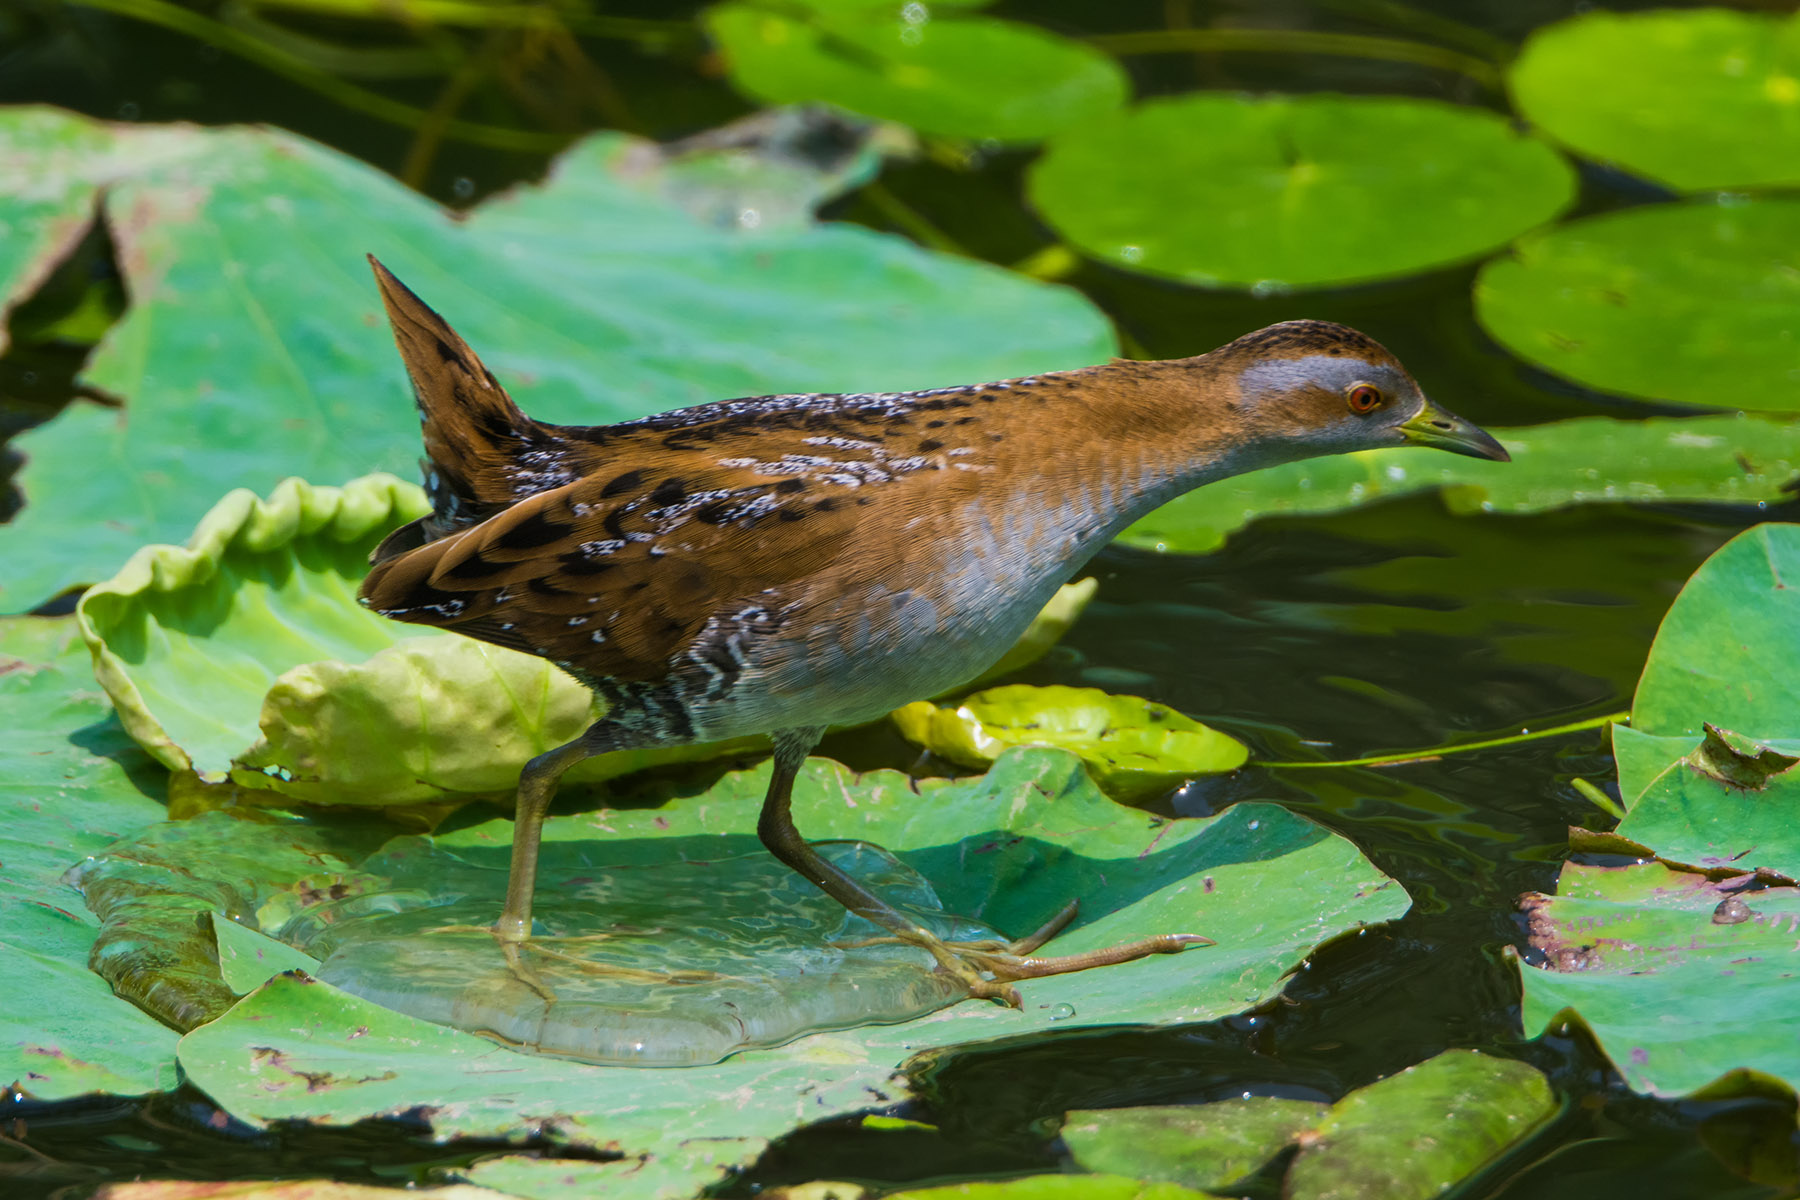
<point x="1408" y="1137"/>
<point x="70" y="783"/>
<point x="1696" y="99"/>
<point x="1734" y="460"/>
<point x="1691" y="303"/>
<point x="1132" y="747"/>
<point x="1007" y="848"/>
<point x="972" y="77"/>
<point x="46" y="213"/>
<point x="253" y="348"/>
<point x="1680" y="979"/>
<point x="1226" y="190"/>
<point x="245" y="652"/>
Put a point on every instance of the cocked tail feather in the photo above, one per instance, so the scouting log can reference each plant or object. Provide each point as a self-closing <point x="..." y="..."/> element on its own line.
<point x="482" y="454"/>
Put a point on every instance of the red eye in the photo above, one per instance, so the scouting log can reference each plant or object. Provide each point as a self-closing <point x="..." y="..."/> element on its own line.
<point x="1364" y="398"/>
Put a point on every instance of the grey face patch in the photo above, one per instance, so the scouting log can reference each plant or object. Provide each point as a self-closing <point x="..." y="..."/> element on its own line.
<point x="1323" y="371"/>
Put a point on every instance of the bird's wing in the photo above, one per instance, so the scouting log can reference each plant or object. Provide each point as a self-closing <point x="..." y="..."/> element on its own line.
<point x="614" y="575"/>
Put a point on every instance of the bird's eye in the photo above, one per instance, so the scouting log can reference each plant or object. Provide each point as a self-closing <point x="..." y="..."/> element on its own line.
<point x="1364" y="398"/>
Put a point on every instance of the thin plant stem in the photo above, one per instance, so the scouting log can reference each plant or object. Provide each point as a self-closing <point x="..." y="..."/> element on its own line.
<point x="1300" y="41"/>
<point x="1417" y="21"/>
<point x="478" y="14"/>
<point x="1434" y="753"/>
<point x="1599" y="799"/>
<point x="910" y="220"/>
<point x="282" y="62"/>
<point x="430" y="133"/>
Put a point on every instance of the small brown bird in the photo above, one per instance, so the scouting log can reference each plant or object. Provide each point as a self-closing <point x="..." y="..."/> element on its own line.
<point x="780" y="564"/>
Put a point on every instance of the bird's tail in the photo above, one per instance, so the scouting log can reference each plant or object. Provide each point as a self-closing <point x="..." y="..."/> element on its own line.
<point x="478" y="444"/>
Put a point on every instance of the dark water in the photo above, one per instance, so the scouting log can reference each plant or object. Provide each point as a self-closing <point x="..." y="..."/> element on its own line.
<point x="1394" y="627"/>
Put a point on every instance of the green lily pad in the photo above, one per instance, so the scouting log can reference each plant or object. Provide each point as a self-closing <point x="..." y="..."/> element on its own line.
<point x="1701" y="812"/>
<point x="1052" y="1187"/>
<point x="1696" y="99"/>
<point x="1676" y="996"/>
<point x="686" y="941"/>
<point x="1712" y="286"/>
<point x="253" y="348"/>
<point x="1589" y="460"/>
<point x="244" y="654"/>
<point x="1196" y="1145"/>
<point x="1412" y="1135"/>
<point x="1681" y="977"/>
<point x="1132" y="747"/>
<point x="1007" y="849"/>
<point x="1728" y="652"/>
<point x="678" y="1173"/>
<point x="1224" y="190"/>
<point x="951" y="75"/>
<point x="70" y="782"/>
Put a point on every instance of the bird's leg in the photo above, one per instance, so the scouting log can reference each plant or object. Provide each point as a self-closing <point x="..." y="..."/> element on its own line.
<point x="986" y="968"/>
<point x="537" y="788"/>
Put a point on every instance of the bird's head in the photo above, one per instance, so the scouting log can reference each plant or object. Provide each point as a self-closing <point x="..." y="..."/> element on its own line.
<point x="1315" y="387"/>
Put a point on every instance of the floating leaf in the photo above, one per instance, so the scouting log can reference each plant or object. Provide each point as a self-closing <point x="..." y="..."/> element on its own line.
<point x="1408" y="1137"/>
<point x="1696" y="99"/>
<point x="245" y="652"/>
<point x="678" y="1173"/>
<point x="1675" y="996"/>
<point x="1007" y="848"/>
<point x="70" y="782"/>
<point x="1681" y="978"/>
<point x="1691" y="816"/>
<point x="1225" y="190"/>
<point x="688" y="940"/>
<point x="253" y="348"/>
<point x="1132" y="747"/>
<point x="1052" y="1187"/>
<point x="956" y="76"/>
<point x="1413" y="1135"/>
<point x="1196" y="1145"/>
<point x="1728" y="652"/>
<point x="1713" y="287"/>
<point x="286" y="1189"/>
<point x="1590" y="460"/>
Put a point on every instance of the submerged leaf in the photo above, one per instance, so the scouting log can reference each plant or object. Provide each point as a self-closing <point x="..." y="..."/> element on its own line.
<point x="1132" y="747"/>
<point x="1226" y="190"/>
